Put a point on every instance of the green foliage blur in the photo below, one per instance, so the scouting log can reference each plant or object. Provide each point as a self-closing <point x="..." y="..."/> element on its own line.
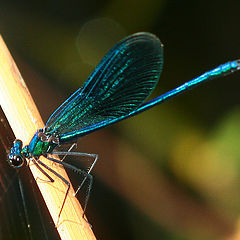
<point x="170" y="173"/>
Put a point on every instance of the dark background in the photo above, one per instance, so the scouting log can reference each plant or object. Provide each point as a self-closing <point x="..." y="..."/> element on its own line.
<point x="171" y="172"/>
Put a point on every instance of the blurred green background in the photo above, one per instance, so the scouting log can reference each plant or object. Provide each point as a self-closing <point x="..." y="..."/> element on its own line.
<point x="171" y="172"/>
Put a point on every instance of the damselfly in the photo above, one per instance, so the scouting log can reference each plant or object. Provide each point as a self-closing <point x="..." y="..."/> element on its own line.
<point x="116" y="90"/>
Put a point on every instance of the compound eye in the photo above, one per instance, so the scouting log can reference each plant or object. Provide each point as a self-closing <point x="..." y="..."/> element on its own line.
<point x="15" y="161"/>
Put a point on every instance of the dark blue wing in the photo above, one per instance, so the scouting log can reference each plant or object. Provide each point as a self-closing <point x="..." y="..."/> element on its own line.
<point x="120" y="83"/>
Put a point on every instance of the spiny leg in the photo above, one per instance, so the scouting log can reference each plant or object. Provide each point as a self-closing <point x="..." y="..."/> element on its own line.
<point x="69" y="150"/>
<point x="79" y="171"/>
<point x="41" y="170"/>
<point x="52" y="180"/>
<point x="63" y="179"/>
<point x="92" y="155"/>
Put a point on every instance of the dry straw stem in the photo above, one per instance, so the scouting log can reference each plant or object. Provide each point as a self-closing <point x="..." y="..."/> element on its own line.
<point x="25" y="119"/>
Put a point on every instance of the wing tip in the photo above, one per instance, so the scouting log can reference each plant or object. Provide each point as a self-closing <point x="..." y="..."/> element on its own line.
<point x="145" y="36"/>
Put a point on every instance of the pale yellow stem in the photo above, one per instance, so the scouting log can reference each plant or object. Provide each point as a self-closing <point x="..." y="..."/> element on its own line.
<point x="25" y="119"/>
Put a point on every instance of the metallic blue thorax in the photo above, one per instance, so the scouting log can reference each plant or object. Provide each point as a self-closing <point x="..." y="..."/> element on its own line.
<point x="37" y="147"/>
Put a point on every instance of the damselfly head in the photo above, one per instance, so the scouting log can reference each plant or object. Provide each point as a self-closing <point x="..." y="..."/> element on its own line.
<point x="15" y="158"/>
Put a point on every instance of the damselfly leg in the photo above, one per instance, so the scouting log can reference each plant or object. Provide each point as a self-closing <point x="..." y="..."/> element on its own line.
<point x="79" y="171"/>
<point x="92" y="156"/>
